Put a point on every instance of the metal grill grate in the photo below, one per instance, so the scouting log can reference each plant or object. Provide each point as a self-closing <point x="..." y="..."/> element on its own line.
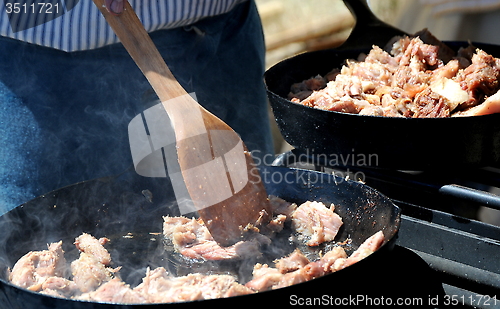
<point x="439" y="222"/>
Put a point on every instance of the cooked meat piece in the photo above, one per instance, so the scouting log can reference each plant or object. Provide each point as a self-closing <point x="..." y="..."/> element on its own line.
<point x="114" y="291"/>
<point x="90" y="270"/>
<point x="192" y="239"/>
<point x="445" y="52"/>
<point x="31" y="270"/>
<point x="396" y="105"/>
<point x="218" y="286"/>
<point x="410" y="81"/>
<point x="451" y="91"/>
<point x="304" y="89"/>
<point x="155" y="283"/>
<point x="331" y="257"/>
<point x="372" y="110"/>
<point x="369" y="75"/>
<point x="416" y="54"/>
<point x="89" y="273"/>
<point x="316" y="221"/>
<point x="158" y="286"/>
<point x="448" y="70"/>
<point x="264" y="278"/>
<point x="490" y="106"/>
<point x="294" y="277"/>
<point x="344" y="105"/>
<point x="90" y="245"/>
<point x="294" y="269"/>
<point x="314" y="83"/>
<point x="378" y="55"/>
<point x="317" y="99"/>
<point x="58" y="286"/>
<point x="370" y="245"/>
<point x="237" y="290"/>
<point x="277" y="223"/>
<point x="210" y="250"/>
<point x="480" y="79"/>
<point x="325" y="264"/>
<point x="294" y="261"/>
<point x="396" y="84"/>
<point x="185" y="232"/>
<point x="429" y="104"/>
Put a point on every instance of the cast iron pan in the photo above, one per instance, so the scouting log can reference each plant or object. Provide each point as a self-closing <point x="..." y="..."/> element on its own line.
<point x="133" y="206"/>
<point x="400" y="143"/>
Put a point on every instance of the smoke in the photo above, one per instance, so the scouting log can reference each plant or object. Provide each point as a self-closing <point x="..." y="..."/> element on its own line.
<point x="114" y="207"/>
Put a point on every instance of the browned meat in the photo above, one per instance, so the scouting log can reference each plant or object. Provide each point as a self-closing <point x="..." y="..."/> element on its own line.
<point x="34" y="268"/>
<point x="317" y="222"/>
<point x="192" y="239"/>
<point x="480" y="79"/>
<point x="396" y="84"/>
<point x="90" y="245"/>
<point x="413" y="52"/>
<point x="429" y="104"/>
<point x="445" y="53"/>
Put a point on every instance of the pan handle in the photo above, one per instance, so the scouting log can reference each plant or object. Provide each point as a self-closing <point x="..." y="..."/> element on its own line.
<point x="477" y="196"/>
<point x="361" y="11"/>
<point x="368" y="30"/>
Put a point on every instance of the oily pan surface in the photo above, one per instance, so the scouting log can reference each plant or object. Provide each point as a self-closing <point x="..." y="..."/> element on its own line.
<point x="133" y="206"/>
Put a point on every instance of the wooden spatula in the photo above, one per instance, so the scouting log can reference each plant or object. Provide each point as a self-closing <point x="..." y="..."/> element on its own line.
<point x="218" y="171"/>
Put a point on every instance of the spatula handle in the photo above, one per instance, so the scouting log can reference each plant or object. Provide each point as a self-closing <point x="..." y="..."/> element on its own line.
<point x="141" y="48"/>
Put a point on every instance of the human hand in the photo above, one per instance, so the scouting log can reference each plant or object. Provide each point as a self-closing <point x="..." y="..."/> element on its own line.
<point x="115" y="7"/>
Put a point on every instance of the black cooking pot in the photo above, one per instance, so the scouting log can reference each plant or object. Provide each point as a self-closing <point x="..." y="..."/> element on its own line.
<point x="132" y="206"/>
<point x="374" y="141"/>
